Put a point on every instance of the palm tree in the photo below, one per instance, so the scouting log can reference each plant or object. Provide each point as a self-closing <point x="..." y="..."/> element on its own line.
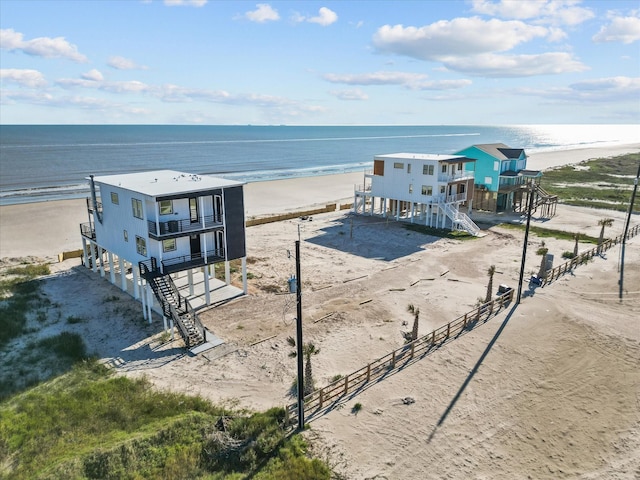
<point x="604" y="222"/>
<point x="308" y="349"/>
<point x="490" y="272"/>
<point x="416" y="316"/>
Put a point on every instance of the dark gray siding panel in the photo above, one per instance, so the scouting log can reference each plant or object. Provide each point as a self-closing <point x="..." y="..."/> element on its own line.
<point x="234" y="218"/>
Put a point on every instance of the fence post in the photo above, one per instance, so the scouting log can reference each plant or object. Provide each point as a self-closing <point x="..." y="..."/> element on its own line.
<point x="321" y="399"/>
<point x="368" y="372"/>
<point x="412" y="347"/>
<point x="448" y="329"/>
<point x="346" y="384"/>
<point x="393" y="359"/>
<point x="464" y="322"/>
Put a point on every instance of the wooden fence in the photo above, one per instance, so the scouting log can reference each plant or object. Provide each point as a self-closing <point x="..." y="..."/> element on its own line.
<point x="330" y="207"/>
<point x="326" y="397"/>
<point x="584" y="257"/>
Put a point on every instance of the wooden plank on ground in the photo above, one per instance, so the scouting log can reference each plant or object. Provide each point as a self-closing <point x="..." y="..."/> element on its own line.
<point x="263" y="340"/>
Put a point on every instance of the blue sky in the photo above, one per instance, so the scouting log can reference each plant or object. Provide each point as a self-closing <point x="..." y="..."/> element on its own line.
<point x="421" y="62"/>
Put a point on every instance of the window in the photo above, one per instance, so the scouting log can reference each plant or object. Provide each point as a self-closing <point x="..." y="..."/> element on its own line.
<point x="461" y="188"/>
<point x="442" y="189"/>
<point x="496" y="166"/>
<point x="126" y="235"/>
<point x="141" y="246"/>
<point x="427" y="190"/>
<point x="166" y="207"/>
<point x="460" y="167"/>
<point x="114" y="198"/>
<point x="411" y="188"/>
<point x="427" y="169"/>
<point x="398" y="165"/>
<point x="444" y="168"/>
<point x="136" y="205"/>
<point x="169" y="245"/>
<point x="408" y="168"/>
<point x="487" y="180"/>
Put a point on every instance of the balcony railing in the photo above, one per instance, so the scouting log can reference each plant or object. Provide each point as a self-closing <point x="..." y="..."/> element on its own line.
<point x="173" y="227"/>
<point x="176" y="264"/>
<point x="459" y="197"/>
<point x="87" y="230"/>
<point x="463" y="175"/>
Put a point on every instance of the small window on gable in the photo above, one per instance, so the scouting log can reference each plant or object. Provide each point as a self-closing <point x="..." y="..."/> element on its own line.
<point x="427" y="190"/>
<point x="487" y="180"/>
<point x="141" y="246"/>
<point x="126" y="235"/>
<point x="114" y="198"/>
<point x="169" y="245"/>
<point x="399" y="165"/>
<point x="411" y="188"/>
<point x="408" y="168"/>
<point x="136" y="206"/>
<point x="427" y="169"/>
<point x="166" y="207"/>
<point x="496" y="166"/>
<point x="444" y="168"/>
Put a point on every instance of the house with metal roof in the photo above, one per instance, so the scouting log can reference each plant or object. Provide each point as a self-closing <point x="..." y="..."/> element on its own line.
<point x="428" y="189"/>
<point x="160" y="234"/>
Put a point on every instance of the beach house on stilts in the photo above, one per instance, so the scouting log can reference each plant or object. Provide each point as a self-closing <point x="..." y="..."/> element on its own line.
<point x="427" y="189"/>
<point x="502" y="181"/>
<point x="160" y="234"/>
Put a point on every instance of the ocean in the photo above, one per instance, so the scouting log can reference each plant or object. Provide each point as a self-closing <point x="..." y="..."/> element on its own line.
<point x="51" y="162"/>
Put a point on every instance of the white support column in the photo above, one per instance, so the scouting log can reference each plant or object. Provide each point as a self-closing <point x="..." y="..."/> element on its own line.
<point x="412" y="210"/>
<point x="397" y="210"/>
<point x="85" y="255"/>
<point x="227" y="272"/>
<point x="244" y="274"/>
<point x="144" y="306"/>
<point x="123" y="274"/>
<point x="172" y="329"/>
<point x="92" y="247"/>
<point x="136" y="281"/>
<point x="190" y="279"/>
<point x="207" y="289"/>
<point x="164" y="322"/>
<point x="149" y="302"/>
<point x="384" y="207"/>
<point x="100" y="255"/>
<point x="112" y="272"/>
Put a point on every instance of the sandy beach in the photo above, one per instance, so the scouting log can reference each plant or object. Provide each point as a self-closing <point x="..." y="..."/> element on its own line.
<point x="547" y="390"/>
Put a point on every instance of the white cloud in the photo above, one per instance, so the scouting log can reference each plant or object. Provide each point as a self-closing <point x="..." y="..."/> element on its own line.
<point x="24" y="78"/>
<point x="264" y="13"/>
<point x="355" y="94"/>
<point x="599" y="90"/>
<point x="93" y="75"/>
<point x="325" y="17"/>
<point x="412" y="81"/>
<point x="185" y="3"/>
<point x="554" y="12"/>
<point x="490" y="65"/>
<point x="375" y="78"/>
<point x="121" y="63"/>
<point x="460" y="36"/>
<point x="40" y="47"/>
<point x="621" y="29"/>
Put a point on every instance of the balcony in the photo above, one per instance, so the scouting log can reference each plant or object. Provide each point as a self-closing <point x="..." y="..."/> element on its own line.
<point x="175" y="228"/>
<point x="87" y="230"/>
<point x="456" y="177"/>
<point x="184" y="262"/>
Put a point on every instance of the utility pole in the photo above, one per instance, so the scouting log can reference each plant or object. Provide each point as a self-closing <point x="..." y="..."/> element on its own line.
<point x="626" y="229"/>
<point x="299" y="340"/>
<point x="526" y="239"/>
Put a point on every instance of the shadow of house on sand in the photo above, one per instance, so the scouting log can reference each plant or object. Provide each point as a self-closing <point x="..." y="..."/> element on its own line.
<point x="371" y="237"/>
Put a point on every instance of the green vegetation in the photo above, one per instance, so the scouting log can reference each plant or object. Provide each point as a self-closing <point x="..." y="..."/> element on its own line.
<point x="551" y="233"/>
<point x="438" y="232"/>
<point x="19" y="293"/>
<point x="599" y="183"/>
<point x="90" y="424"/>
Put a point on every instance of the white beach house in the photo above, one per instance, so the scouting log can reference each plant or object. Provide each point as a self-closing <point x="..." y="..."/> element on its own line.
<point x="160" y="233"/>
<point x="428" y="189"/>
